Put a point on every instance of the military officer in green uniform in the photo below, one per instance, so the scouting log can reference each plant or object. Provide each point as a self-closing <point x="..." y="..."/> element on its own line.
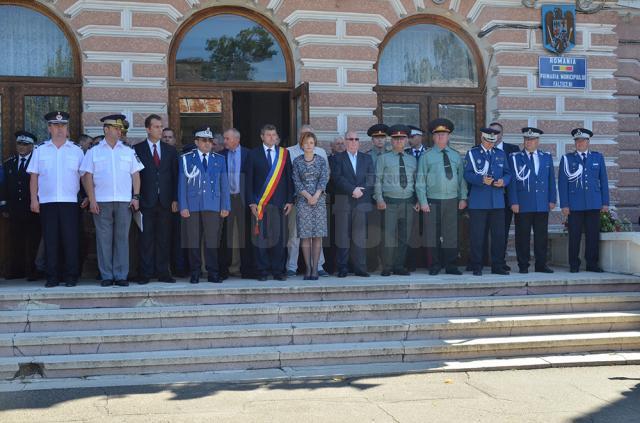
<point x="375" y="219"/>
<point x="441" y="191"/>
<point x="395" y="194"/>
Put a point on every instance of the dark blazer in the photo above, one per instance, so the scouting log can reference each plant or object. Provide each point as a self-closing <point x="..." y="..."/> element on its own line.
<point x="158" y="184"/>
<point x="244" y="155"/>
<point x="257" y="170"/>
<point x="15" y="187"/>
<point x="345" y="181"/>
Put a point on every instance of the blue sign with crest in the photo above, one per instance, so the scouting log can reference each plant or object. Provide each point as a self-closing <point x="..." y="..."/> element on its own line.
<point x="562" y="72"/>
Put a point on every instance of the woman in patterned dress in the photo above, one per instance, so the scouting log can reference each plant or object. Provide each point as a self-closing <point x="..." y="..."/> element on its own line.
<point x="310" y="177"/>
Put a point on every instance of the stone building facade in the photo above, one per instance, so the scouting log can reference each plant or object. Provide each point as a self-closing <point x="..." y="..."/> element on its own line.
<point x="126" y="60"/>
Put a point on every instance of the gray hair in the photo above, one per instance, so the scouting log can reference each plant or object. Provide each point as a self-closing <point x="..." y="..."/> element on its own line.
<point x="234" y="132"/>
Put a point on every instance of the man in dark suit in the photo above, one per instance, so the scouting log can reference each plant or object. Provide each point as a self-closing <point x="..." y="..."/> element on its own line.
<point x="269" y="224"/>
<point x="236" y="228"/>
<point x="24" y="225"/>
<point x="508" y="213"/>
<point x="353" y="178"/>
<point x="158" y="199"/>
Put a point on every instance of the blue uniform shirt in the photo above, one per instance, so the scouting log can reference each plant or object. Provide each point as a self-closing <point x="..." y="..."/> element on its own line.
<point x="200" y="189"/>
<point x="583" y="186"/>
<point x="530" y="190"/>
<point x="478" y="163"/>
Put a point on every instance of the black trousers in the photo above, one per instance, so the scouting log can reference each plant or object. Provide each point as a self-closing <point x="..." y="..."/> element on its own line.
<point x="587" y="221"/>
<point x="351" y="239"/>
<point x="236" y="230"/>
<point x="481" y="220"/>
<point x="155" y="242"/>
<point x="539" y="222"/>
<point x="270" y="243"/>
<point x="60" y="228"/>
<point x="199" y="225"/>
<point x="179" y="254"/>
<point x="24" y="233"/>
<point x="508" y="217"/>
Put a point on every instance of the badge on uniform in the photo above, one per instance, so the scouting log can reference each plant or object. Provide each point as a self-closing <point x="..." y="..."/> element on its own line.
<point x="137" y="158"/>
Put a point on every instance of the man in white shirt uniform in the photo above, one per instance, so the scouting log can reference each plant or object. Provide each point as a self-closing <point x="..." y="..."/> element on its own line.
<point x="54" y="186"/>
<point x="110" y="170"/>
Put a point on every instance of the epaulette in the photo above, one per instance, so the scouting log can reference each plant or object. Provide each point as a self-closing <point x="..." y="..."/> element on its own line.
<point x="15" y="156"/>
<point x="187" y="152"/>
<point x="217" y="154"/>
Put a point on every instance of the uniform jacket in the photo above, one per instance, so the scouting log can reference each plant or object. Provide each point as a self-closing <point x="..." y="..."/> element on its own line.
<point x="483" y="196"/>
<point x="200" y="189"/>
<point x="15" y="187"/>
<point x="158" y="184"/>
<point x="583" y="187"/>
<point x="345" y="181"/>
<point x="532" y="192"/>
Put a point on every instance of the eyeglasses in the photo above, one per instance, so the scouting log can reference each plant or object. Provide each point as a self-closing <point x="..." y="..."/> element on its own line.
<point x="352" y="139"/>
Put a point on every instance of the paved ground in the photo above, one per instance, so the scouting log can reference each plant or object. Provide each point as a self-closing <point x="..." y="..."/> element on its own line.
<point x="591" y="394"/>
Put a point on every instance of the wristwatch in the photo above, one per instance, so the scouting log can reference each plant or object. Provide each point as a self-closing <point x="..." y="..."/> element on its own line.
<point x="136" y="196"/>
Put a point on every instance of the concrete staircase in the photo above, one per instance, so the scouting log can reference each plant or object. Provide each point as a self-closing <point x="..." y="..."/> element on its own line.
<point x="327" y="328"/>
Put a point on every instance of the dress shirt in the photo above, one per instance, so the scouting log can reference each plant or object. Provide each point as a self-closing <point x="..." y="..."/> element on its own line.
<point x="536" y="160"/>
<point x="58" y="171"/>
<point x="354" y="160"/>
<point x="157" y="144"/>
<point x="111" y="169"/>
<point x="233" y="169"/>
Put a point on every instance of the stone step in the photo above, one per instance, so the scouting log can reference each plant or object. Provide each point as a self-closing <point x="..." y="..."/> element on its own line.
<point x="233" y="336"/>
<point x="217" y="359"/>
<point x="335" y="373"/>
<point x="29" y="295"/>
<point x="300" y="312"/>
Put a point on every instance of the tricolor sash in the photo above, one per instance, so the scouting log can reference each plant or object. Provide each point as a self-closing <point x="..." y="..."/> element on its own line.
<point x="271" y="183"/>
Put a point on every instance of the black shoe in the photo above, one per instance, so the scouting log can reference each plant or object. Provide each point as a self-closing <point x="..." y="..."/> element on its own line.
<point x="35" y="277"/>
<point x="262" y="278"/>
<point x="362" y="274"/>
<point x="453" y="271"/>
<point x="122" y="282"/>
<point x="195" y="278"/>
<point x="574" y="270"/>
<point x="143" y="281"/>
<point x="523" y="270"/>
<point x="71" y="283"/>
<point x="342" y="274"/>
<point x="434" y="271"/>
<point x="167" y="279"/>
<point x="544" y="269"/>
<point x="51" y="284"/>
<point x="214" y="279"/>
<point x="385" y="273"/>
<point x="477" y="273"/>
<point x="307" y="278"/>
<point x="506" y="267"/>
<point x="500" y="272"/>
<point x="401" y="272"/>
<point x="596" y="269"/>
<point x="281" y="277"/>
<point x="107" y="282"/>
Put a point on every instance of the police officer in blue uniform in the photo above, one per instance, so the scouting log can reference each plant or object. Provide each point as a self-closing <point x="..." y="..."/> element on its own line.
<point x="24" y="225"/>
<point x="204" y="200"/>
<point x="532" y="194"/>
<point x="584" y="192"/>
<point x="488" y="174"/>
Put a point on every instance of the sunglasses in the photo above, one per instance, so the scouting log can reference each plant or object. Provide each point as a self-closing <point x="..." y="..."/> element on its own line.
<point x="352" y="139"/>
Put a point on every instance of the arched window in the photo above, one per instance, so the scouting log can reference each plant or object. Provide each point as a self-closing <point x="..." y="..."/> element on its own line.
<point x="232" y="67"/>
<point x="229" y="47"/>
<point x="38" y="71"/>
<point x="429" y="67"/>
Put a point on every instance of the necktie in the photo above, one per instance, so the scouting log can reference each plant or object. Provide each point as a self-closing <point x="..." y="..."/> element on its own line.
<point x="22" y="164"/>
<point x="156" y="157"/>
<point x="204" y="161"/>
<point x="416" y="153"/>
<point x="447" y="165"/>
<point x="232" y="171"/>
<point x="584" y="158"/>
<point x="269" y="156"/>
<point x="403" y="172"/>
<point x="533" y="163"/>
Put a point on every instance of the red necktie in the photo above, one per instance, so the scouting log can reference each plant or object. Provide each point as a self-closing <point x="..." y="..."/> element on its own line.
<point x="156" y="158"/>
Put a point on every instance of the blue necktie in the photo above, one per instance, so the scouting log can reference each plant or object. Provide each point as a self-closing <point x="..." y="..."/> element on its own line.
<point x="269" y="156"/>
<point x="204" y="161"/>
